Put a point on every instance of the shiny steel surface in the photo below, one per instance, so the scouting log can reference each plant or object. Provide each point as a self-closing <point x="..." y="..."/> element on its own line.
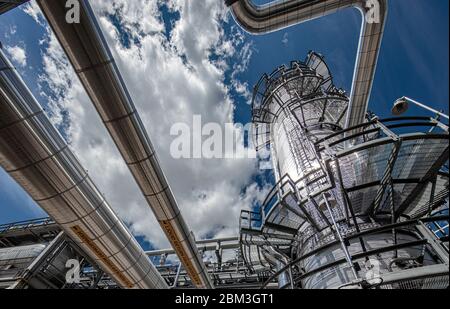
<point x="280" y="14"/>
<point x="15" y="254"/>
<point x="91" y="58"/>
<point x="328" y="189"/>
<point x="37" y="157"/>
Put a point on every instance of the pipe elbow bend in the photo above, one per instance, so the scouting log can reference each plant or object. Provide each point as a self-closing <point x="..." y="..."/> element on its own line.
<point x="260" y="19"/>
<point x="373" y="11"/>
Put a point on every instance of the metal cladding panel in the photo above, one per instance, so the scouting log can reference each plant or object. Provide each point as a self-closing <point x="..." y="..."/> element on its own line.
<point x="417" y="156"/>
<point x="91" y="58"/>
<point x="336" y="276"/>
<point x="367" y="166"/>
<point x="9" y="255"/>
<point x="285" y="153"/>
<point x="37" y="157"/>
<point x="161" y="212"/>
<point x="56" y="183"/>
<point x="420" y="205"/>
<point x="148" y="178"/>
<point x="102" y="77"/>
<point x="19" y="157"/>
<point x="126" y="130"/>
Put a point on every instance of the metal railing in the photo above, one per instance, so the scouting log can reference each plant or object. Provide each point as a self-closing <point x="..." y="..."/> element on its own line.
<point x="360" y="255"/>
<point x="24" y="225"/>
<point x="376" y="128"/>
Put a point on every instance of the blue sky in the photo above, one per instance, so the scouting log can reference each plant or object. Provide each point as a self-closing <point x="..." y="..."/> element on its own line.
<point x="414" y="58"/>
<point x="414" y="61"/>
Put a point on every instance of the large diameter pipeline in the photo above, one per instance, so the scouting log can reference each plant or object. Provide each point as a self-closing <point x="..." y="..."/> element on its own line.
<point x="35" y="155"/>
<point x="91" y="58"/>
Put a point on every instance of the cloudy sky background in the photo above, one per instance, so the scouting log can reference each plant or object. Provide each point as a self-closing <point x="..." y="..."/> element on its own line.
<point x="183" y="58"/>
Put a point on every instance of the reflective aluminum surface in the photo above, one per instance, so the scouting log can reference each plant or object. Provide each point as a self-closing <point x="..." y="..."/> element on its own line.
<point x="34" y="154"/>
<point x="91" y="58"/>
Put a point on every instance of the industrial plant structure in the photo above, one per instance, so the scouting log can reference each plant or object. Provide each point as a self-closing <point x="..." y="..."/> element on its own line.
<point x="359" y="201"/>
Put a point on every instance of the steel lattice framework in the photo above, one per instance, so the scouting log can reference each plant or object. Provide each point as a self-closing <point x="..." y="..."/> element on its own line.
<point x="346" y="200"/>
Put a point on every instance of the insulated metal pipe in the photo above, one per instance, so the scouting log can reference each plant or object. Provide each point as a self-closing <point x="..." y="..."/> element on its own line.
<point x="279" y="261"/>
<point x="279" y="14"/>
<point x="91" y="58"/>
<point x="204" y="248"/>
<point x="35" y="155"/>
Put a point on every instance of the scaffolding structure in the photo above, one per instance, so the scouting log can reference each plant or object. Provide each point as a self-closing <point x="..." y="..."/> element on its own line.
<point x="349" y="206"/>
<point x="34" y="254"/>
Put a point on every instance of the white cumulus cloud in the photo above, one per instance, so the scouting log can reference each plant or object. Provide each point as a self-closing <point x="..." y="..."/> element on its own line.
<point x="17" y="54"/>
<point x="171" y="77"/>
